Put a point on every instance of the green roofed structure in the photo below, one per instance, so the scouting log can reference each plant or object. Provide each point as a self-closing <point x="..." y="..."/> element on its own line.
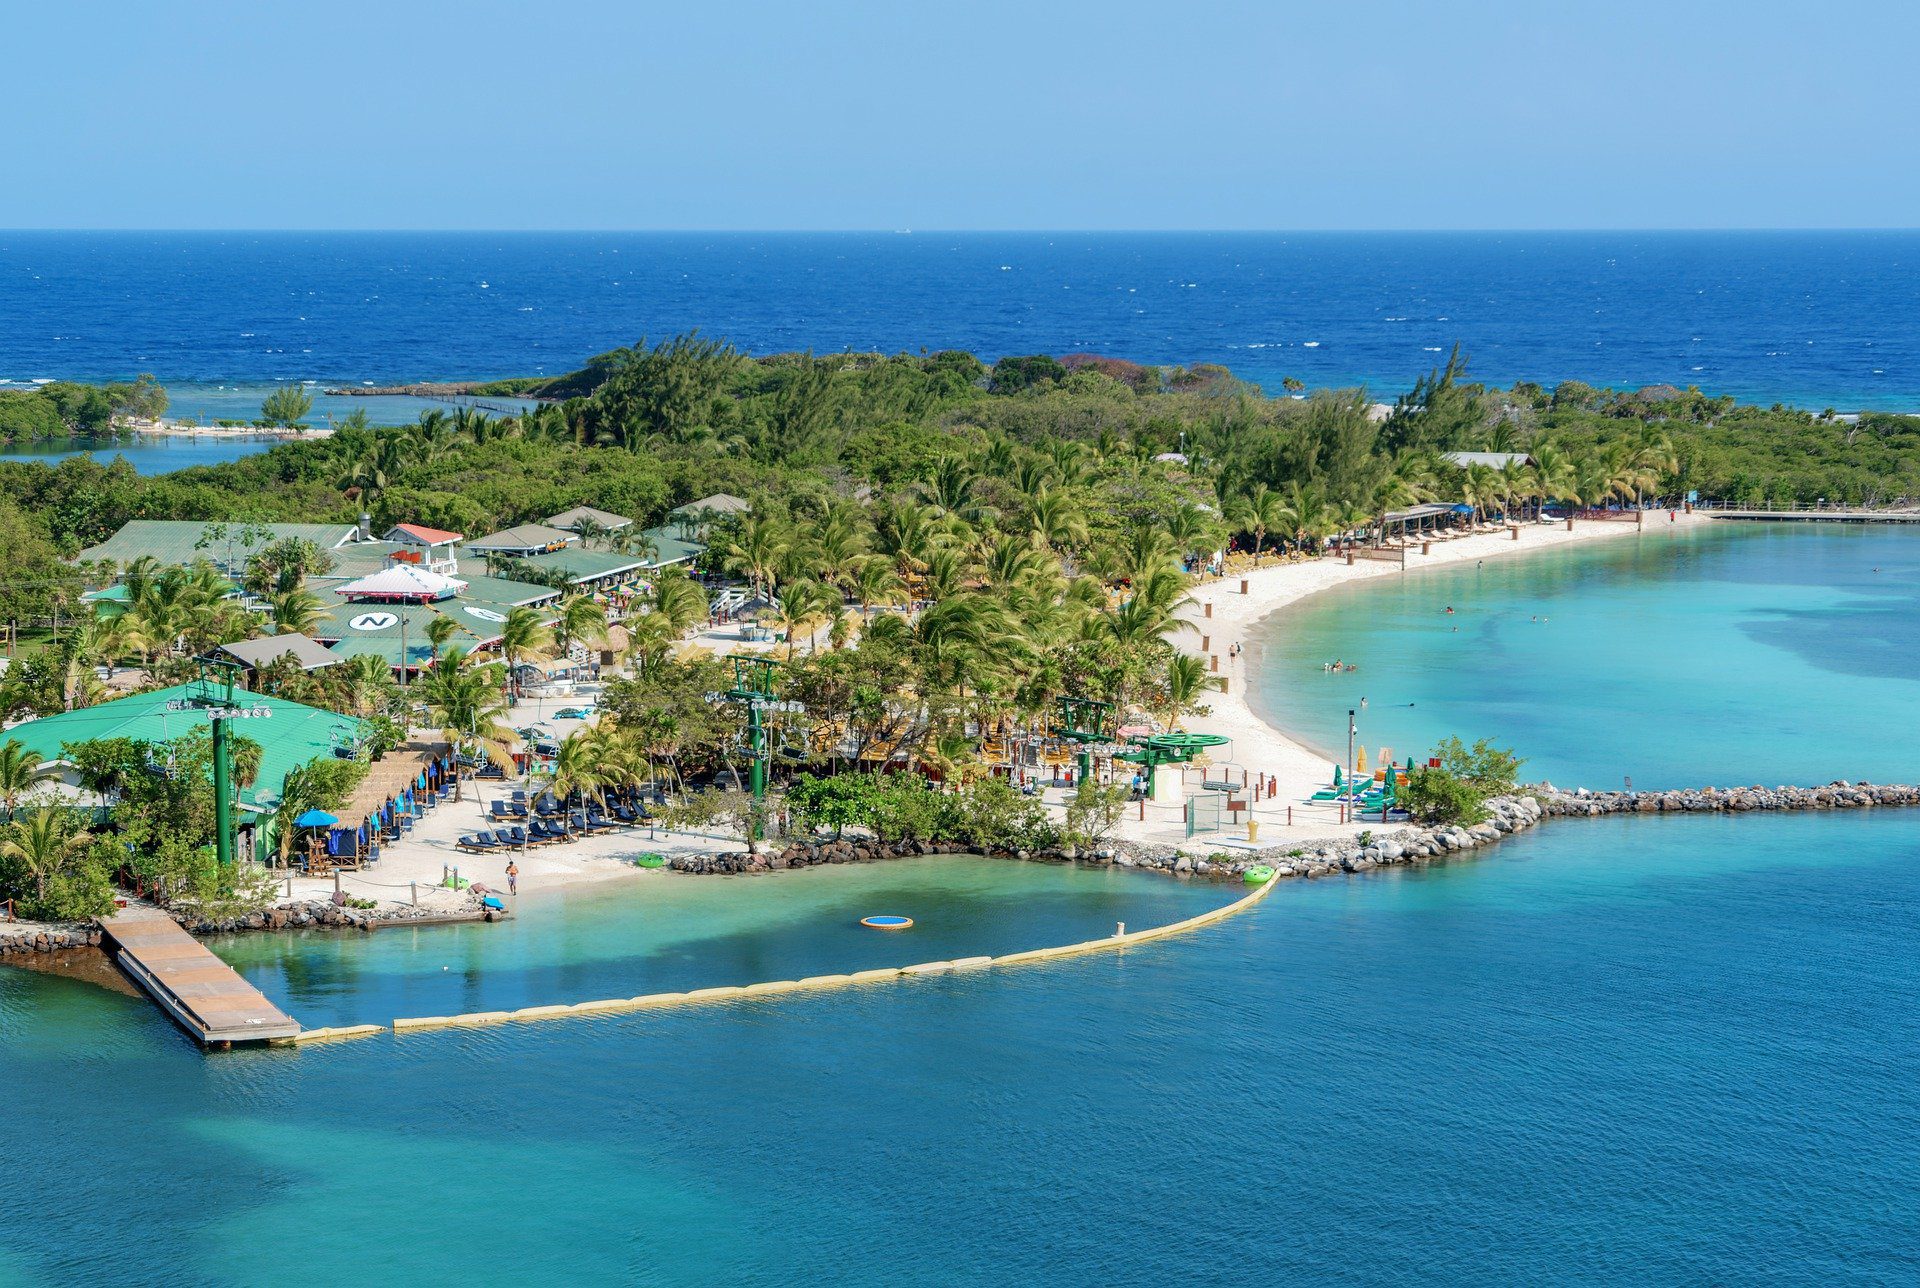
<point x="228" y="546"/>
<point x="589" y="567"/>
<point x="294" y="734"/>
<point x="395" y="628"/>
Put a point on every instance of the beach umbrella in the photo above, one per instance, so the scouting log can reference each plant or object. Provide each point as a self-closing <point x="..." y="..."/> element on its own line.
<point x="1360" y="765"/>
<point x="315" y="818"/>
<point x="1336" y="776"/>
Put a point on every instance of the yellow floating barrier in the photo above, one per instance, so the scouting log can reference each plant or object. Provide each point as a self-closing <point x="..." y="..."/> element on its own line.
<point x="869" y="976"/>
<point x="539" y="1012"/>
<point x="603" y="1007"/>
<point x="339" y="1034"/>
<point x="776" y="986"/>
<point x="927" y="968"/>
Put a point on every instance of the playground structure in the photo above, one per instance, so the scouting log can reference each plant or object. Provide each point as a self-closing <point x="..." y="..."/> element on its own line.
<point x="1164" y="757"/>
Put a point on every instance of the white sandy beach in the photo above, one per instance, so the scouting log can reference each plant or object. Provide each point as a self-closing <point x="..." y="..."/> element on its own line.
<point x="1263" y="749"/>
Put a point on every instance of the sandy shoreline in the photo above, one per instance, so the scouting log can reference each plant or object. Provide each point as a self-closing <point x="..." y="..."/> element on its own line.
<point x="1261" y="748"/>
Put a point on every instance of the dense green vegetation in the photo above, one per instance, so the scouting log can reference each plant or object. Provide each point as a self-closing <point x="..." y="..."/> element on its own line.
<point x="1039" y="520"/>
<point x="1458" y="788"/>
<point x="46" y="413"/>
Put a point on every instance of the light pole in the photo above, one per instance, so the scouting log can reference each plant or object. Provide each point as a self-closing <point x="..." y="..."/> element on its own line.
<point x="1352" y="731"/>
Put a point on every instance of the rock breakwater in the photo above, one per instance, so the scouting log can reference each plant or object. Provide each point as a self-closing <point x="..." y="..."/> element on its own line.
<point x="1705" y="800"/>
<point x="36" y="938"/>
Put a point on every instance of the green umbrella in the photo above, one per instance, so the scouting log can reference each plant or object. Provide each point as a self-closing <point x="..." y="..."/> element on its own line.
<point x="1336" y="775"/>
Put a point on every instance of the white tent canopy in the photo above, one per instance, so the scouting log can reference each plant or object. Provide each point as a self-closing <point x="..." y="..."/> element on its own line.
<point x="402" y="581"/>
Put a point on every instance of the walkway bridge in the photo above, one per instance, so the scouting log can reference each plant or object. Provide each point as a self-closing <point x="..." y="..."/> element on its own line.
<point x="203" y="994"/>
<point x="1818" y="513"/>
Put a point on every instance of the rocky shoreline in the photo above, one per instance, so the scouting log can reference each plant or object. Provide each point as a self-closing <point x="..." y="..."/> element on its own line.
<point x="34" y="938"/>
<point x="324" y="914"/>
<point x="1400" y="845"/>
<point x="1835" y="795"/>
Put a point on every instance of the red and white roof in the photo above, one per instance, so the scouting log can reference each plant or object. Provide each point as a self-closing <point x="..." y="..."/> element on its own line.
<point x="414" y="533"/>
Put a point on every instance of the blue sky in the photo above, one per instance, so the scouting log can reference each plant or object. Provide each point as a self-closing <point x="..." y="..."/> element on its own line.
<point x="622" y="114"/>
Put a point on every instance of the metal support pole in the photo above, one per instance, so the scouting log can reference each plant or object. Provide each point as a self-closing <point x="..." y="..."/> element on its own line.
<point x="1352" y="731"/>
<point x="755" y="741"/>
<point x="222" y="794"/>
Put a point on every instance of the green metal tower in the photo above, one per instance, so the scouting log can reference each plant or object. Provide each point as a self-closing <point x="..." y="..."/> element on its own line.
<point x="218" y="678"/>
<point x="753" y="688"/>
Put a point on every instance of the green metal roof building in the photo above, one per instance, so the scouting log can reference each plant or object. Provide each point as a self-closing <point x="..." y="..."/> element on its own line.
<point x="293" y="735"/>
<point x="174" y="542"/>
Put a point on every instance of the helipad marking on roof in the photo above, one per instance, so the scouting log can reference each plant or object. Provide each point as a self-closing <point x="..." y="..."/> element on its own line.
<point x="485" y="614"/>
<point x="374" y="621"/>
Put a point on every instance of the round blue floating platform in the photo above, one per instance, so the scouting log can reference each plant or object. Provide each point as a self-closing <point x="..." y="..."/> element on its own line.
<point x="887" y="923"/>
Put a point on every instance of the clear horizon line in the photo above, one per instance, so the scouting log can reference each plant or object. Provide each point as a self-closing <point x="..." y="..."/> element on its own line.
<point x="988" y="232"/>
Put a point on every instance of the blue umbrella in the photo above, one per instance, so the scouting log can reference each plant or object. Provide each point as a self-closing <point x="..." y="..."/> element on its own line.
<point x="315" y="818"/>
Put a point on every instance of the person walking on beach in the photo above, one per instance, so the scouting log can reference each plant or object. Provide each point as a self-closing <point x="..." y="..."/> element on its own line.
<point x="513" y="877"/>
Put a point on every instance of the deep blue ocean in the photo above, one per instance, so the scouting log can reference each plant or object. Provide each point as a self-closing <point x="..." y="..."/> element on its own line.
<point x="1818" y="319"/>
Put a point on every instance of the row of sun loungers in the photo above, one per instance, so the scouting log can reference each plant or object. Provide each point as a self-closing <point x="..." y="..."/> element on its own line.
<point x="540" y="831"/>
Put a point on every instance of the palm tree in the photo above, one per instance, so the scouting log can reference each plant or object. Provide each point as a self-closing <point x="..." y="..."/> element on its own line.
<point x="1260" y="510"/>
<point x="298" y="612"/>
<point x="875" y="582"/>
<point x="756" y="551"/>
<point x="21" y="770"/>
<point x="582" y="620"/>
<point x="464" y="697"/>
<point x="578" y="767"/>
<point x="43" y="844"/>
<point x="298" y="794"/>
<point x="524" y="636"/>
<point x="680" y="600"/>
<point x="1182" y="687"/>
<point x="440" y="632"/>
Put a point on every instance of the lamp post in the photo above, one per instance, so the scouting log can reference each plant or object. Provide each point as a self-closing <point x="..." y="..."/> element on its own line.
<point x="1352" y="731"/>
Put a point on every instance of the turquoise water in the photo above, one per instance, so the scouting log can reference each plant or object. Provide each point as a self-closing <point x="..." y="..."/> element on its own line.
<point x="1646" y="1049"/>
<point x="1725" y="654"/>
<point x="1639" y="1049"/>
<point x="663" y="933"/>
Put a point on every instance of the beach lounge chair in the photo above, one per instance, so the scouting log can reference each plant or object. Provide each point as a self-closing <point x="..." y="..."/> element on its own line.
<point x="626" y="814"/>
<point x="477" y="843"/>
<point x="498" y="809"/>
<point x="517" y="837"/>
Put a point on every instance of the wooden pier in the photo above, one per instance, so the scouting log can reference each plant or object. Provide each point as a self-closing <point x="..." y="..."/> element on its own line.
<point x="203" y="994"/>
<point x="1814" y="514"/>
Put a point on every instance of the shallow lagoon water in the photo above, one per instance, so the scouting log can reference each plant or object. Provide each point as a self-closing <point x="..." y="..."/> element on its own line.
<point x="663" y="932"/>
<point x="1724" y="655"/>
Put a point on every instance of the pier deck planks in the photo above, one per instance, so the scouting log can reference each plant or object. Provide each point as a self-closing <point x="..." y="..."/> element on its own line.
<point x="203" y="994"/>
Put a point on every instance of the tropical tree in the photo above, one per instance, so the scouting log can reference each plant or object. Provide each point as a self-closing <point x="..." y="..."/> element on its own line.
<point x="1181" y="689"/>
<point x="21" y="770"/>
<point x="1260" y="510"/>
<point x="524" y="636"/>
<point x="42" y="845"/>
<point x="298" y="611"/>
<point x="286" y="407"/>
<point x="582" y="620"/>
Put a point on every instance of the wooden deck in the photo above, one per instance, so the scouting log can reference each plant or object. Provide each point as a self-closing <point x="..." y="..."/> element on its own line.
<point x="203" y="994"/>
<point x="1828" y="515"/>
